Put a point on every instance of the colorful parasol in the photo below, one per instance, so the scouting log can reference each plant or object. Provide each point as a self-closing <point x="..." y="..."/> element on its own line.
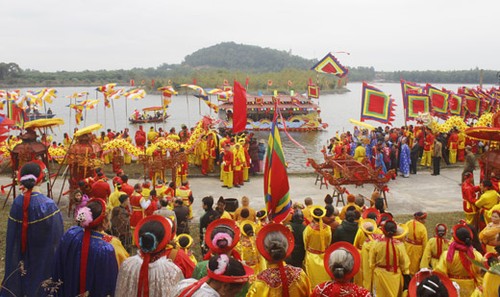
<point x="88" y="129"/>
<point x="43" y="123"/>
<point x="361" y="124"/>
<point x="484" y="133"/>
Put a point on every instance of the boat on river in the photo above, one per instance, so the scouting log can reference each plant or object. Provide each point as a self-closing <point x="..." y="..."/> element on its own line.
<point x="152" y="114"/>
<point x="300" y="113"/>
<point x="37" y="116"/>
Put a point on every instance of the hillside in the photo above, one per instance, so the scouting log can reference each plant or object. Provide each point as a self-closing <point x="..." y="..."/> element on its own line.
<point x="232" y="56"/>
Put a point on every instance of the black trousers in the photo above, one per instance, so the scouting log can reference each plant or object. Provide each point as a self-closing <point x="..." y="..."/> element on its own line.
<point x="436" y="165"/>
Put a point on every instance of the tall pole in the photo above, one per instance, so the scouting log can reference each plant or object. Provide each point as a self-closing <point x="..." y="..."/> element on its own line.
<point x="187" y="104"/>
<point x="69" y="117"/>
<point x="97" y="108"/>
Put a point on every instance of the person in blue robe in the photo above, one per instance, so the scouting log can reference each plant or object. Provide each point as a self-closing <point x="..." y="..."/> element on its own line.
<point x="30" y="249"/>
<point x="99" y="277"/>
<point x="404" y="158"/>
<point x="379" y="161"/>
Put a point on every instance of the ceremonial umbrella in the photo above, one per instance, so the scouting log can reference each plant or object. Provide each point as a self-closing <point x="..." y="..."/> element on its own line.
<point x="362" y="124"/>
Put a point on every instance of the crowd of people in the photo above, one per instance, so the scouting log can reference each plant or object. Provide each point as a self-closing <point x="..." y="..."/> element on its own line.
<point x="403" y="149"/>
<point x="318" y="250"/>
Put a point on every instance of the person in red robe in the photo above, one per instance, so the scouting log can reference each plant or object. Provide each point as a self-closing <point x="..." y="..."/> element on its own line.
<point x="469" y="198"/>
<point x="125" y="186"/>
<point x="101" y="188"/>
<point x="140" y="137"/>
<point x="139" y="204"/>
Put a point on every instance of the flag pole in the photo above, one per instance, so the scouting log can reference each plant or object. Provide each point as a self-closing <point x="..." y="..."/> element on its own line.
<point x="187" y="104"/>
<point x="69" y="117"/>
<point x="113" y="108"/>
<point x="97" y="108"/>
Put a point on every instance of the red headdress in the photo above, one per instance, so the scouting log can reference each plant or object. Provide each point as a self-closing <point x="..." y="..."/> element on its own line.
<point x="351" y="250"/>
<point x="261" y="236"/>
<point x="422" y="275"/>
<point x="159" y="247"/>
<point x="27" y="197"/>
<point x="370" y="210"/>
<point x="210" y="241"/>
<point x="218" y="275"/>
<point x="465" y="251"/>
<point x="88" y="224"/>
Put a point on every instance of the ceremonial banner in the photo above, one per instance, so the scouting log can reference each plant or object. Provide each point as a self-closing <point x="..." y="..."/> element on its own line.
<point x="376" y="105"/>
<point x="330" y="64"/>
<point x="409" y="88"/>
<point x="239" y="108"/>
<point x="312" y="91"/>
<point x="416" y="103"/>
<point x="439" y="101"/>
<point x="455" y="103"/>
<point x="472" y="105"/>
<point x="276" y="187"/>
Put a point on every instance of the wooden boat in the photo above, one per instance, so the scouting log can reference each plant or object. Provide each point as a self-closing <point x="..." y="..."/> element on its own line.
<point x="300" y="113"/>
<point x="152" y="114"/>
<point x="37" y="116"/>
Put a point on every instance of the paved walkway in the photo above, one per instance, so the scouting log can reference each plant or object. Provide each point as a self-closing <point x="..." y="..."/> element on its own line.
<point x="420" y="192"/>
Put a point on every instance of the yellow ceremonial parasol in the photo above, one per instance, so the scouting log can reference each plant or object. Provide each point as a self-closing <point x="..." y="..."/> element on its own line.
<point x="43" y="123"/>
<point x="88" y="129"/>
<point x="362" y="124"/>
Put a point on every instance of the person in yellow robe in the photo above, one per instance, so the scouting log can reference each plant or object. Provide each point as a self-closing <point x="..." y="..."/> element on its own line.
<point x="435" y="247"/>
<point x="363" y="236"/>
<point x="275" y="243"/>
<point x="416" y="240"/>
<point x="389" y="262"/>
<point x="488" y="236"/>
<point x="152" y="134"/>
<point x="113" y="198"/>
<point x="491" y="281"/>
<point x="487" y="200"/>
<point x="247" y="246"/>
<point x="307" y="210"/>
<point x="127" y="157"/>
<point x="455" y="262"/>
<point x="185" y="242"/>
<point x="317" y="238"/>
<point x="360" y="153"/>
<point x="351" y="201"/>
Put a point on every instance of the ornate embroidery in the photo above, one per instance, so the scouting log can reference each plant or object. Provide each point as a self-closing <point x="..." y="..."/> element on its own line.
<point x="271" y="276"/>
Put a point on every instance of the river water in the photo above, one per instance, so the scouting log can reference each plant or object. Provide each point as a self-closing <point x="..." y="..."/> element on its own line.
<point x="336" y="110"/>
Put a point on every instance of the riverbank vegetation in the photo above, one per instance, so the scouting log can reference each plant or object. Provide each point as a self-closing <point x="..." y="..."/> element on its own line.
<point x="210" y="67"/>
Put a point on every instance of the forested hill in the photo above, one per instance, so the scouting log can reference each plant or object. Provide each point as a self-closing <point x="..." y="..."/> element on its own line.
<point x="229" y="55"/>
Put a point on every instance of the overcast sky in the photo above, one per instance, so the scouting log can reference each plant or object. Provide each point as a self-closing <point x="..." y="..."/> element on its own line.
<point x="51" y="35"/>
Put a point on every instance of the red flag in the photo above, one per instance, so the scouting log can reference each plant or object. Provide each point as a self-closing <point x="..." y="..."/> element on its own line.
<point x="132" y="82"/>
<point x="239" y="107"/>
<point x="310" y="83"/>
<point x="194" y="81"/>
<point x="247" y="80"/>
<point x="152" y="83"/>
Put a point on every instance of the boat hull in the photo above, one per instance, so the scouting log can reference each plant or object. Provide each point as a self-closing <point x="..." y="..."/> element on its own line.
<point x="146" y="121"/>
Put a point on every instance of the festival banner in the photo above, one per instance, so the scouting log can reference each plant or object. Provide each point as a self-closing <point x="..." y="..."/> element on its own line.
<point x="455" y="104"/>
<point x="416" y="104"/>
<point x="329" y="64"/>
<point x="276" y="186"/>
<point x="239" y="108"/>
<point x="472" y="105"/>
<point x="408" y="88"/>
<point x="376" y="105"/>
<point x="312" y="91"/>
<point x="439" y="101"/>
